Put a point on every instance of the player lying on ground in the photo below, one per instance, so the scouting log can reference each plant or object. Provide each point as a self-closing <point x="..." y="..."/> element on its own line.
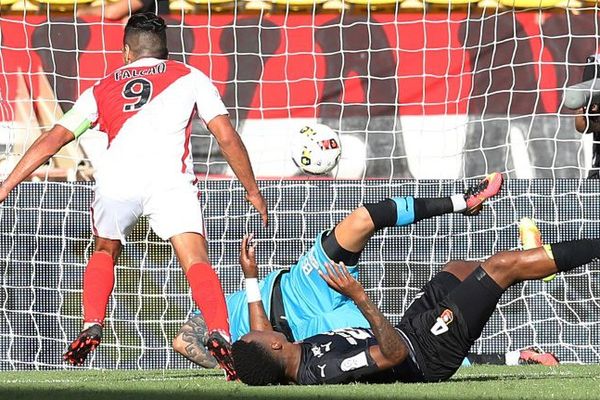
<point x="298" y="303"/>
<point x="146" y="109"/>
<point x="431" y="340"/>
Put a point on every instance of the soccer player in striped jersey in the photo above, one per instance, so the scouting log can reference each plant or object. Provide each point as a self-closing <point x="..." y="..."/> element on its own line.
<point x="297" y="302"/>
<point x="431" y="340"/>
<point x="146" y="108"/>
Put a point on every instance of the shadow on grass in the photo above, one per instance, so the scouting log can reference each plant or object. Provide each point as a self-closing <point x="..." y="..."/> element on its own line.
<point x="82" y="394"/>
<point x="511" y="377"/>
<point x="272" y="393"/>
<point x="208" y="375"/>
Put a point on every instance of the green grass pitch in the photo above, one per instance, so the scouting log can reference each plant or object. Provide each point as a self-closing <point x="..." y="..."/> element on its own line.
<point x="480" y="382"/>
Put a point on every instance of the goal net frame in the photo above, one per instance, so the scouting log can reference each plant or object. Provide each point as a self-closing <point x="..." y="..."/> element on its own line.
<point x="467" y="92"/>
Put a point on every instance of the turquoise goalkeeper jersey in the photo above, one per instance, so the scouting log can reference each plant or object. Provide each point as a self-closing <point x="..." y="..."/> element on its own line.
<point x="237" y="306"/>
<point x="311" y="306"/>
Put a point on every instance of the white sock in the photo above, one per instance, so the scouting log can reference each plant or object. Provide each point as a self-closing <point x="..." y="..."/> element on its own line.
<point x="222" y="333"/>
<point x="512" y="357"/>
<point x="88" y="325"/>
<point x="459" y="204"/>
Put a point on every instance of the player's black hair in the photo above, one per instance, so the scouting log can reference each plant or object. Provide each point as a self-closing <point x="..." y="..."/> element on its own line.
<point x="255" y="366"/>
<point x="146" y="35"/>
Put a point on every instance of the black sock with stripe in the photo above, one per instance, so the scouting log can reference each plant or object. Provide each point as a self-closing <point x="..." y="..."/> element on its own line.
<point x="572" y="254"/>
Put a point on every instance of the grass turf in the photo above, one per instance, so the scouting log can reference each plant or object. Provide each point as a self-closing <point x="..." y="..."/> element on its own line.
<point x="480" y="382"/>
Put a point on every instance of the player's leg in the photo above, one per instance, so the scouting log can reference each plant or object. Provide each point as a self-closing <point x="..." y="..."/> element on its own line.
<point x="306" y="294"/>
<point x="175" y="214"/>
<point x="444" y="330"/>
<point x="354" y="231"/>
<point x="450" y="326"/>
<point x="421" y="318"/>
<point x="529" y="236"/>
<point x="461" y="269"/>
<point x="487" y="283"/>
<point x="349" y="237"/>
<point x="438" y="288"/>
<point x="112" y="220"/>
<point x="99" y="280"/>
<point x="508" y="268"/>
<point x="98" y="283"/>
<point x="192" y="252"/>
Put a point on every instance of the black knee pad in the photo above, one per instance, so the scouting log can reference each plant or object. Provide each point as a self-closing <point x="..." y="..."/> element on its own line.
<point x="383" y="214"/>
<point x="335" y="252"/>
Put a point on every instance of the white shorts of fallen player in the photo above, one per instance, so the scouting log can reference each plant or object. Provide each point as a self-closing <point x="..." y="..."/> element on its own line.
<point x="171" y="211"/>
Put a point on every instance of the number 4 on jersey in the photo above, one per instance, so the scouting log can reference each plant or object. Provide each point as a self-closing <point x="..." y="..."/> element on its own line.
<point x="140" y="90"/>
<point x="442" y="322"/>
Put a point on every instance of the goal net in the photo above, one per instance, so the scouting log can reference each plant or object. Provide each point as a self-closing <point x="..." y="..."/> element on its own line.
<point x="425" y="102"/>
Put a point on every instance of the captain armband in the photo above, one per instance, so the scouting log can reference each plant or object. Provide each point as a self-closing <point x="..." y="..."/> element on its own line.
<point x="75" y="122"/>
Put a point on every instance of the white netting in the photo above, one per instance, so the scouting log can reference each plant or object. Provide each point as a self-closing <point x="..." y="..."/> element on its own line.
<point x="45" y="243"/>
<point x="431" y="94"/>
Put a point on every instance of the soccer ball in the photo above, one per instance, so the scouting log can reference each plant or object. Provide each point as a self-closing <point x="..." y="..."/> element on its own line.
<point x="316" y="149"/>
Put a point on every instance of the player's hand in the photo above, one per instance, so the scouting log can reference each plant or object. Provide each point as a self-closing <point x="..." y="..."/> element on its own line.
<point x="340" y="280"/>
<point x="247" y="257"/>
<point x="258" y="202"/>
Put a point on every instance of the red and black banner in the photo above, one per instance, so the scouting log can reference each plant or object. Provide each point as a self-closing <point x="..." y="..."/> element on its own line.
<point x="325" y="65"/>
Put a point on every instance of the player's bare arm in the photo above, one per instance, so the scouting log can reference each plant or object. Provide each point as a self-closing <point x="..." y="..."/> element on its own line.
<point x="391" y="350"/>
<point x="45" y="146"/>
<point x="258" y="317"/>
<point x="191" y="341"/>
<point x="235" y="153"/>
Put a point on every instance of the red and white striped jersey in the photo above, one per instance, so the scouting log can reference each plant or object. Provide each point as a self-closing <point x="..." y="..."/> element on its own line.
<point x="146" y="109"/>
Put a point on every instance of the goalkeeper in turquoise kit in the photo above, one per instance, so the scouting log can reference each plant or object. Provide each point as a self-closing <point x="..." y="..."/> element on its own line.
<point x="297" y="301"/>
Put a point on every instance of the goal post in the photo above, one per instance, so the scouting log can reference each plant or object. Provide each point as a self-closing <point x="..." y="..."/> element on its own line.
<point x="45" y="242"/>
<point x="425" y="102"/>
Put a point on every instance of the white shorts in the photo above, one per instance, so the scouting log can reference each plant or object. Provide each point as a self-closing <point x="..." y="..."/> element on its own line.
<point x="170" y="212"/>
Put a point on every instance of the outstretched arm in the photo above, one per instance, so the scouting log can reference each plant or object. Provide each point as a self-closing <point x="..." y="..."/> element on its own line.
<point x="258" y="317"/>
<point x="191" y="340"/>
<point x="45" y="146"/>
<point x="391" y="350"/>
<point x="235" y="153"/>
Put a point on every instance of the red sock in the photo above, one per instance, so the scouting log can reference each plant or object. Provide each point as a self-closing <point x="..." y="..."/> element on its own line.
<point x="208" y="296"/>
<point x="98" y="282"/>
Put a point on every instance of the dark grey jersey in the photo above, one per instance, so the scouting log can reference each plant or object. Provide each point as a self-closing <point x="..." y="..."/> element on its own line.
<point x="342" y="356"/>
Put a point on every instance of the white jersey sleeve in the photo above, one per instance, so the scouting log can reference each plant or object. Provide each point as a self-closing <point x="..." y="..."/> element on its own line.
<point x="208" y="99"/>
<point x="83" y="115"/>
